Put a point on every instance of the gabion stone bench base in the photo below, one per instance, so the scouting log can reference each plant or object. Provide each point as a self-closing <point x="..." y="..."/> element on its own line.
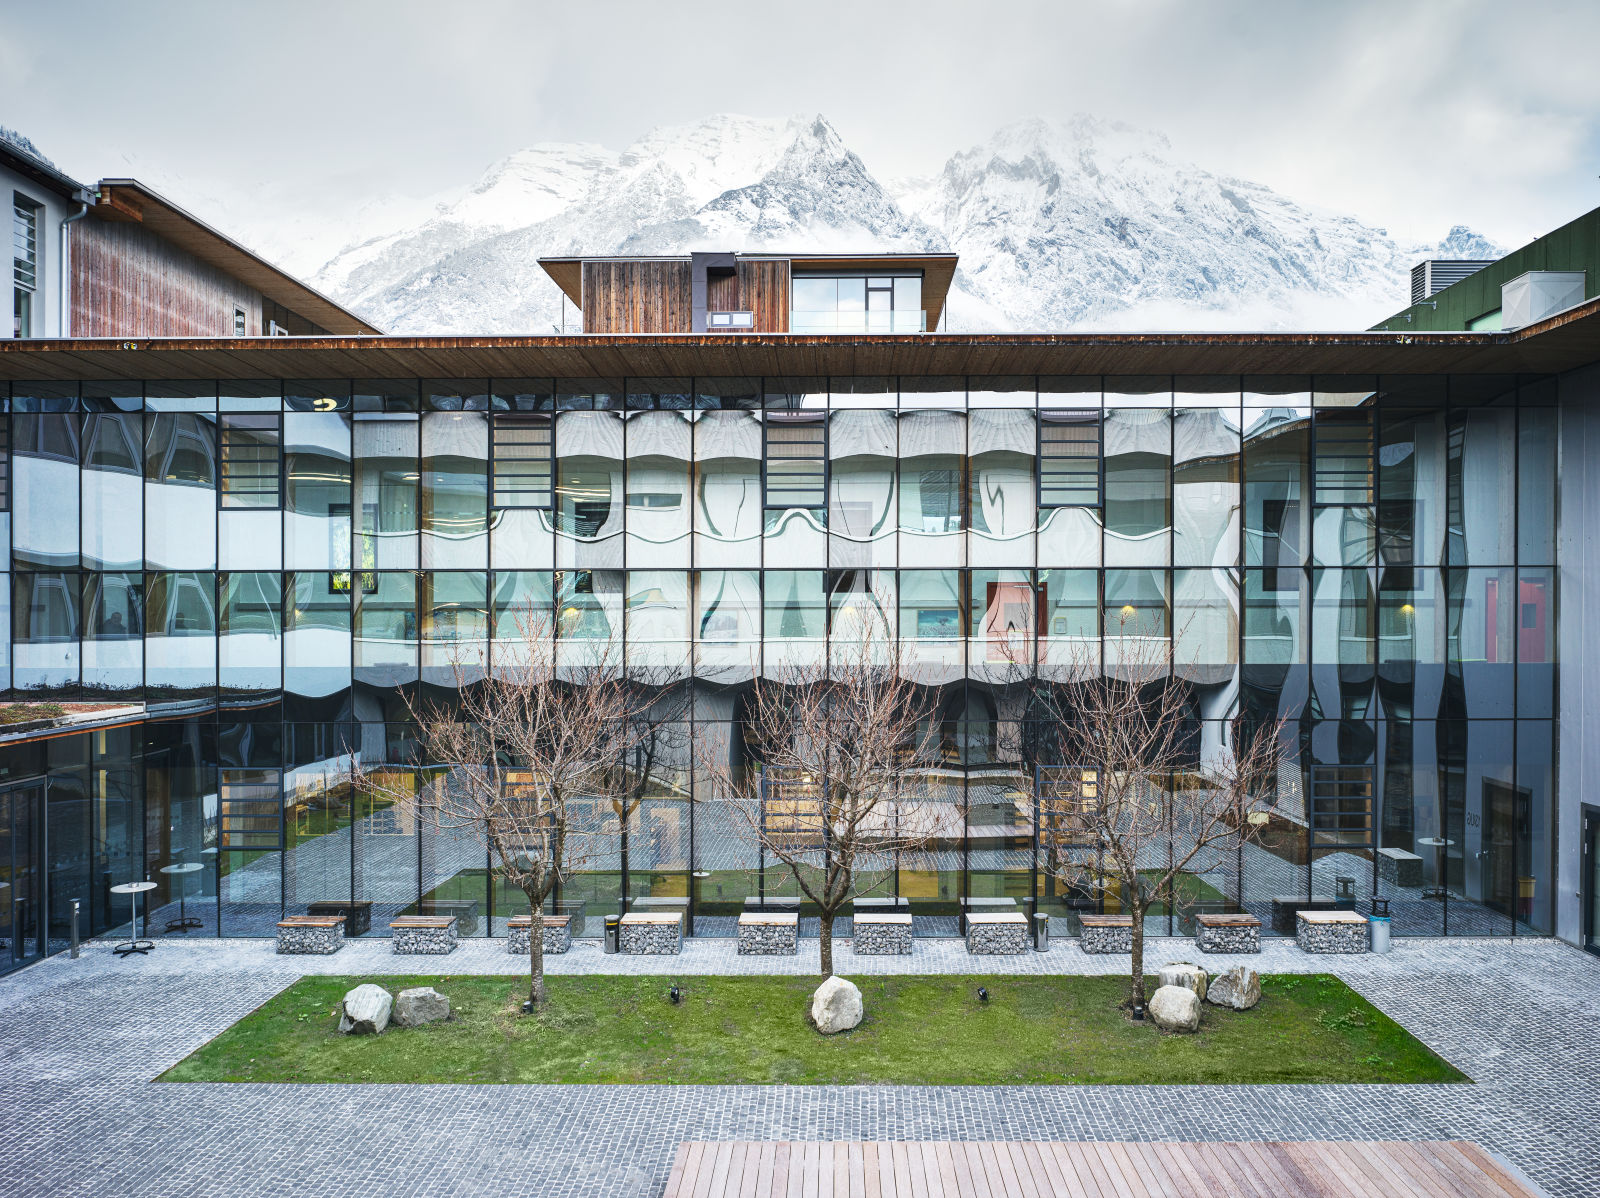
<point x="311" y="935"/>
<point x="557" y="934"/>
<point x="651" y="935"/>
<point x="424" y="935"/>
<point x="1106" y="934"/>
<point x="881" y="935"/>
<point x="1227" y="934"/>
<point x="1330" y="932"/>
<point x="997" y="935"/>
<point x="766" y="934"/>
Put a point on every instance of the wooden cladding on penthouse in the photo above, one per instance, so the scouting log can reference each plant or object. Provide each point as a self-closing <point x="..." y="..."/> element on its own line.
<point x="656" y="296"/>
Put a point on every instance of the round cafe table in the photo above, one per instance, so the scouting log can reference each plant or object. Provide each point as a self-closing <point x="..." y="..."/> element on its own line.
<point x="1436" y="891"/>
<point x="133" y="890"/>
<point x="184" y="921"/>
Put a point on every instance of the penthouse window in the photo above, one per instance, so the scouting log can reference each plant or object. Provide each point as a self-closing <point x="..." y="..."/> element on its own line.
<point x="851" y="302"/>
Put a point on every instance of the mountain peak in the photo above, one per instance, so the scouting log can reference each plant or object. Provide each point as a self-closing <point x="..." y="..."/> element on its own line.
<point x="1059" y="224"/>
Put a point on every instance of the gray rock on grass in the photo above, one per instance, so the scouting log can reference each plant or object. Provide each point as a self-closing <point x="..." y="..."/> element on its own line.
<point x="836" y="1006"/>
<point x="1185" y="974"/>
<point x="1175" y="1009"/>
<point x="365" y="1010"/>
<point x="420" y="1005"/>
<point x="1238" y="988"/>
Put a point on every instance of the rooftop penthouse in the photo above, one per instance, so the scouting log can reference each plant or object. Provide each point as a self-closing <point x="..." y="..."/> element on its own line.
<point x="757" y="293"/>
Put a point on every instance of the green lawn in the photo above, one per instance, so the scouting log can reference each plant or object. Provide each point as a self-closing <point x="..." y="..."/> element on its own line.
<point x="918" y="1030"/>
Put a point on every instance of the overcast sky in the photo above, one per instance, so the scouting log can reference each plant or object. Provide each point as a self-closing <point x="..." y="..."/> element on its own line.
<point x="1411" y="116"/>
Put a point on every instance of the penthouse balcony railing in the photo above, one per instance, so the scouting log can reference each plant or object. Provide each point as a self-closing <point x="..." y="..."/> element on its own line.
<point x="907" y="321"/>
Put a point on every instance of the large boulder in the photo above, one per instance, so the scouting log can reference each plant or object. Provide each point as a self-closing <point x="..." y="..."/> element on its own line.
<point x="1239" y="988"/>
<point x="1182" y="973"/>
<point x="836" y="1006"/>
<point x="420" y="1005"/>
<point x="366" y="1010"/>
<point x="1175" y="1009"/>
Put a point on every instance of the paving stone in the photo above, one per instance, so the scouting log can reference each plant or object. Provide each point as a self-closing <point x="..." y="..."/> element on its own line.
<point x="1530" y="1041"/>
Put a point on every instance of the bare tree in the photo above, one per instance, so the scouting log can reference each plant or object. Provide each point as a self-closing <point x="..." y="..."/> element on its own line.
<point x="1128" y="805"/>
<point x="827" y="796"/>
<point x="526" y="757"/>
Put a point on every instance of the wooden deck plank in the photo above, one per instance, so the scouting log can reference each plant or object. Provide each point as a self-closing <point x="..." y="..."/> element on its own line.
<point x="1469" y="1178"/>
<point x="1156" y="1178"/>
<point x="1508" y="1181"/>
<point x="712" y="1184"/>
<point x="1420" y="1170"/>
<point x="1180" y="1165"/>
<point x="1248" y="1169"/>
<point x="1073" y="1156"/>
<point x="681" y="1168"/>
<point x="1379" y="1171"/>
<point x="858" y="1172"/>
<point x="1093" y="1169"/>
<point x="870" y="1170"/>
<point x="1022" y="1176"/>
<point x="1111" y="1169"/>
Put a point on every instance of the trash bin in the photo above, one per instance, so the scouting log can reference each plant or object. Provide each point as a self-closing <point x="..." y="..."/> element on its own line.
<point x="1041" y="932"/>
<point x="613" y="932"/>
<point x="1380" y="932"/>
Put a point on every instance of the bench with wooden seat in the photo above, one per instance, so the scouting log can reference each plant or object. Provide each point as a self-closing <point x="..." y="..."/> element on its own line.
<point x="880" y="934"/>
<point x="1284" y="908"/>
<point x="357" y="913"/>
<point x="423" y="935"/>
<point x="1331" y="932"/>
<point x="997" y="934"/>
<point x="1105" y="933"/>
<point x="314" y="934"/>
<point x="557" y="934"/>
<point x="651" y="933"/>
<point x="769" y="933"/>
<point x="1218" y="933"/>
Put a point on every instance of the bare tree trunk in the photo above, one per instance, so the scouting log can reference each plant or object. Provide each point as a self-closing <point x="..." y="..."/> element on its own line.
<point x="536" y="991"/>
<point x="1136" y="979"/>
<point x="827" y="944"/>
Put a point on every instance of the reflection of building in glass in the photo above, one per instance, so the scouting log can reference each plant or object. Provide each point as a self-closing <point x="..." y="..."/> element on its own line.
<point x="1356" y="533"/>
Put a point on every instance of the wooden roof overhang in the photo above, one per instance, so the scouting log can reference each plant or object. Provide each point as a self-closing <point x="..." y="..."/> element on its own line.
<point x="130" y="200"/>
<point x="1564" y="342"/>
<point x="938" y="270"/>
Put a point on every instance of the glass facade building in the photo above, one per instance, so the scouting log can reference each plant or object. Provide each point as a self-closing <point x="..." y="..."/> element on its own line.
<point x="261" y="569"/>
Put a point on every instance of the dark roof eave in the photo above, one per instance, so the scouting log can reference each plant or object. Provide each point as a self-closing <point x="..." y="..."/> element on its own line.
<point x="1562" y="343"/>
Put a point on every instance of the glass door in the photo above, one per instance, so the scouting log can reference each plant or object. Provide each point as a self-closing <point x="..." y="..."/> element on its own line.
<point x="21" y="878"/>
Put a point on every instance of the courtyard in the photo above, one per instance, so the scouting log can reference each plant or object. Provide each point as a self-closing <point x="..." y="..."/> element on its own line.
<point x="85" y="1040"/>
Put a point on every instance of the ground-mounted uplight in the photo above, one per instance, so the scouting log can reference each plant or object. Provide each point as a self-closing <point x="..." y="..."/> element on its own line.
<point x="1138" y="1012"/>
<point x="675" y="994"/>
<point x="983" y="994"/>
<point x="527" y="1006"/>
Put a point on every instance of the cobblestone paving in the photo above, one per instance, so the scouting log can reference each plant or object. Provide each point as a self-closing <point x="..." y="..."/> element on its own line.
<point x="81" y="1040"/>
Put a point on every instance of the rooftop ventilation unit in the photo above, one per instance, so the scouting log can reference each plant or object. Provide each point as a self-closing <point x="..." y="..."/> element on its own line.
<point x="1431" y="277"/>
<point x="1529" y="298"/>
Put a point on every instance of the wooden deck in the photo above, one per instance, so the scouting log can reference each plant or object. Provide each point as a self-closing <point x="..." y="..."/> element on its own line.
<point x="1030" y="1169"/>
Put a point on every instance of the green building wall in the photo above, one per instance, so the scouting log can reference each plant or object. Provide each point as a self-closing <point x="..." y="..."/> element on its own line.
<point x="1574" y="246"/>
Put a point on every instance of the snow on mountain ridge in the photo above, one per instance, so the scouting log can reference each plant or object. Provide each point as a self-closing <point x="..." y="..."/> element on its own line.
<point x="1059" y="225"/>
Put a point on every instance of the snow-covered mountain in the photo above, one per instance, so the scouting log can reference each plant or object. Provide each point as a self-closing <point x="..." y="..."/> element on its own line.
<point x="1059" y="226"/>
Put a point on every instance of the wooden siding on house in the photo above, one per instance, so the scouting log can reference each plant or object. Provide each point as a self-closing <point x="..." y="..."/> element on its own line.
<point x="657" y="297"/>
<point x="764" y="290"/>
<point x="130" y="282"/>
<point x="636" y="297"/>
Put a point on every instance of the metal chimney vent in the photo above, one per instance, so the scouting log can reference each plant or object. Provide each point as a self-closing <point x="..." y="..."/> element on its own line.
<point x="1431" y="277"/>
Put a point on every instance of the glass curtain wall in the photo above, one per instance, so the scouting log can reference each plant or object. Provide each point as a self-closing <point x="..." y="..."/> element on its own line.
<point x="1369" y="560"/>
